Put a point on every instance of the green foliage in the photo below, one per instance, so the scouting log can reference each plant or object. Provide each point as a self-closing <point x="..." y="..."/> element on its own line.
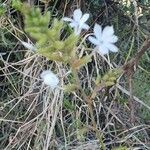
<point x="48" y="40"/>
<point x="68" y="105"/>
<point x="141" y="84"/>
<point x="145" y="2"/>
<point x="109" y="79"/>
<point x="73" y="124"/>
<point x="70" y="87"/>
<point x="96" y="4"/>
<point x="81" y="62"/>
<point x="2" y="9"/>
<point x="17" y="4"/>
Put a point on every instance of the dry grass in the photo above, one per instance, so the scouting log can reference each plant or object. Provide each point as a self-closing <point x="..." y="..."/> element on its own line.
<point x="32" y="117"/>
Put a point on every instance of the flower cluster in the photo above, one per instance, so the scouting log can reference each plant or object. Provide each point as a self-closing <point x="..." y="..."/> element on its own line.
<point x="103" y="39"/>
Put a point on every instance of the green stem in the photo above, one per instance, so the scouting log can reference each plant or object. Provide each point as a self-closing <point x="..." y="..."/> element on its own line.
<point x="90" y="107"/>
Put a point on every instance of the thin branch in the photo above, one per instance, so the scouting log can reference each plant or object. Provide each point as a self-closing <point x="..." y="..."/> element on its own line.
<point x="129" y="69"/>
<point x="129" y="66"/>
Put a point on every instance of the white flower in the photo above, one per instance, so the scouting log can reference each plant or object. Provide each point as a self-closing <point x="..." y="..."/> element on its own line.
<point x="29" y="46"/>
<point x="104" y="40"/>
<point x="49" y="78"/>
<point x="78" y="21"/>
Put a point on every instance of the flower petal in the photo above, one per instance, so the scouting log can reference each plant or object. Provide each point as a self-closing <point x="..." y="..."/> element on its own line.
<point x="77" y="31"/>
<point x="49" y="78"/>
<point x="77" y="14"/>
<point x="107" y="31"/>
<point x="98" y="31"/>
<point x="28" y="46"/>
<point x="112" y="47"/>
<point x="93" y="40"/>
<point x="83" y="19"/>
<point x="73" y="24"/>
<point x="67" y="19"/>
<point x="85" y="26"/>
<point x="103" y="49"/>
<point x="111" y="39"/>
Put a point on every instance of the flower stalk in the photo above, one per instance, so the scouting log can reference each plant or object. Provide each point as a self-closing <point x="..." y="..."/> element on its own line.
<point x="88" y="100"/>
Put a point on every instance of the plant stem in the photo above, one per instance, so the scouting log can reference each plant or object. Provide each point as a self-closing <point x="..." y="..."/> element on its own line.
<point x="129" y="69"/>
<point x="90" y="107"/>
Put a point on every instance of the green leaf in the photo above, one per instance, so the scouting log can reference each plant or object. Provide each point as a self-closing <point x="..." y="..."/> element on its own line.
<point x="81" y="62"/>
<point x="70" y="88"/>
<point x="67" y="104"/>
<point x="2" y="9"/>
<point x="17" y="4"/>
<point x="70" y="43"/>
<point x="109" y="79"/>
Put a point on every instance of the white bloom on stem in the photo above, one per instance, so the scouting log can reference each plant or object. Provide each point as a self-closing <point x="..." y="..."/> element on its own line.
<point x="78" y="21"/>
<point x="29" y="46"/>
<point x="49" y="78"/>
<point x="104" y="39"/>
